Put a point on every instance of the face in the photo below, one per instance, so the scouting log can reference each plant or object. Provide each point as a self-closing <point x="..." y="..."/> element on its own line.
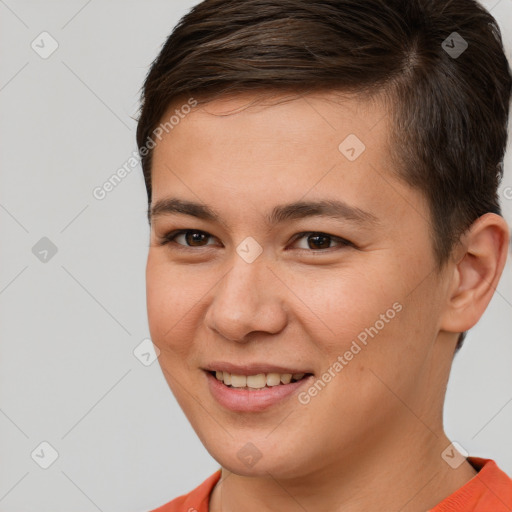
<point x="303" y="254"/>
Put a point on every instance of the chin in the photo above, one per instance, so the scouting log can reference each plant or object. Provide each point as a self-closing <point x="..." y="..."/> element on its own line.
<point x="258" y="457"/>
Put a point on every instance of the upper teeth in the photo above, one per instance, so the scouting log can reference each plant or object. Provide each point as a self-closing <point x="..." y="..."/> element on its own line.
<point x="257" y="381"/>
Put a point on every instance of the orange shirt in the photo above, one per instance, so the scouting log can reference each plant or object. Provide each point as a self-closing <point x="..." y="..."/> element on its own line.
<point x="490" y="490"/>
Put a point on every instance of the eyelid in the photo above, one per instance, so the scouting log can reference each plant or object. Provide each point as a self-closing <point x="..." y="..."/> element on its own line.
<point x="170" y="237"/>
<point x="341" y="243"/>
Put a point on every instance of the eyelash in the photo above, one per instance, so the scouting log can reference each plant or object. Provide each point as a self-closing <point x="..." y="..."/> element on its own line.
<point x="169" y="238"/>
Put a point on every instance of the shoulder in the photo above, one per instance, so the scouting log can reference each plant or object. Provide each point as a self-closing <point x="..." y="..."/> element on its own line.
<point x="489" y="490"/>
<point x="196" y="500"/>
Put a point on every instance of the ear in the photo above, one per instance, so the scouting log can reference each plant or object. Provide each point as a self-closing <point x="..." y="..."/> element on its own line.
<point x="479" y="262"/>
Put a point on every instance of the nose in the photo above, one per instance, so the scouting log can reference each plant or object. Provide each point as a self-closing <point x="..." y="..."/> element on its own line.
<point x="248" y="299"/>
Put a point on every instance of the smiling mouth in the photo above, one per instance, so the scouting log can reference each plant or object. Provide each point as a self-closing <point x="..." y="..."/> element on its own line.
<point x="258" y="381"/>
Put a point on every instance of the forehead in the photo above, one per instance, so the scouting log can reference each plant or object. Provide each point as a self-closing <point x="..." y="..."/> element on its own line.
<point x="248" y="149"/>
<point x="335" y="110"/>
<point x="274" y="127"/>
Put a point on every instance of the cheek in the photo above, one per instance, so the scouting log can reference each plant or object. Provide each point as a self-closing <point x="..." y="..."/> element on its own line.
<point x="172" y="297"/>
<point x="344" y="304"/>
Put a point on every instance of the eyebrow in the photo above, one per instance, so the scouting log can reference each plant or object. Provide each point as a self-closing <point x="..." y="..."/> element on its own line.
<point x="281" y="213"/>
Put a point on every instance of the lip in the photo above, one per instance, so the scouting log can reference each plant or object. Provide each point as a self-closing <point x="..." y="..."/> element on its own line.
<point x="251" y="369"/>
<point x="244" y="400"/>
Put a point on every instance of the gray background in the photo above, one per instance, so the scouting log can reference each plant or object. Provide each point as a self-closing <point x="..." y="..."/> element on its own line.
<point x="70" y="324"/>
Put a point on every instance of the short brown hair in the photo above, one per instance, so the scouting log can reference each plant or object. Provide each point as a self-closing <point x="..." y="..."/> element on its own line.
<point x="449" y="111"/>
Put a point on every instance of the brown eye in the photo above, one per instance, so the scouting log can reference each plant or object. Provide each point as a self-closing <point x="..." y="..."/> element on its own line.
<point x="187" y="238"/>
<point x="315" y="241"/>
<point x="319" y="241"/>
<point x="195" y="238"/>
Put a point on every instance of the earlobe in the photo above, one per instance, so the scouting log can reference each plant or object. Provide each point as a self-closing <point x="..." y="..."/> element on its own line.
<point x="478" y="268"/>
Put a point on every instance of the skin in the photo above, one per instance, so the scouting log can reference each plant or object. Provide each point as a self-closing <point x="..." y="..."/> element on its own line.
<point x="372" y="438"/>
